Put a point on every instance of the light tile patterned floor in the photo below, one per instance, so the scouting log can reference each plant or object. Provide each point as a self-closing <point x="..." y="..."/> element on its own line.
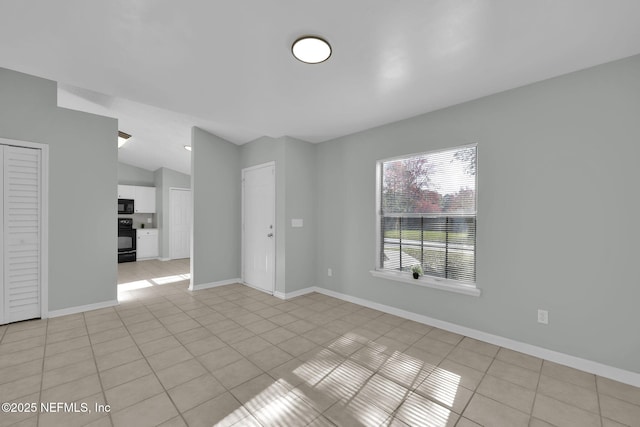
<point x="235" y="356"/>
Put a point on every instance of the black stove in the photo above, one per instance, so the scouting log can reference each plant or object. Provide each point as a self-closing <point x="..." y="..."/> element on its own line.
<point x="126" y="240"/>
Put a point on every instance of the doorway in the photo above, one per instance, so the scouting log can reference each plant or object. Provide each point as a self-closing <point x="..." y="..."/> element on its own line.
<point x="258" y="226"/>
<point x="23" y="210"/>
<point x="179" y="223"/>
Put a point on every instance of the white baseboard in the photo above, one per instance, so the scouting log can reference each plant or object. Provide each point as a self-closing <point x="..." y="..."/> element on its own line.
<point x="289" y="295"/>
<point x="596" y="368"/>
<point x="256" y="288"/>
<point x="164" y="259"/>
<point x="82" y="308"/>
<point x="202" y="286"/>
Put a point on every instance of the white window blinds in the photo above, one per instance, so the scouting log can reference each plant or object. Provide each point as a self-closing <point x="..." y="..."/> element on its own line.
<point x="427" y="213"/>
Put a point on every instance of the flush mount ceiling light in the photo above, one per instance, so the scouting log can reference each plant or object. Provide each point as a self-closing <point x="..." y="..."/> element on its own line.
<point x="187" y="147"/>
<point x="311" y="49"/>
<point x="122" y="138"/>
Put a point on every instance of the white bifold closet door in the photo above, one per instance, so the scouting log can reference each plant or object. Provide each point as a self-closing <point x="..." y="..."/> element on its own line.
<point x="20" y="184"/>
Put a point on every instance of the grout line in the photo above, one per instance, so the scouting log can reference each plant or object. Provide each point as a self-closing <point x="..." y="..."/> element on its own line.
<point x="245" y="357"/>
<point x="208" y="372"/>
<point x="153" y="372"/>
<point x="571" y="404"/>
<point x="95" y="362"/>
<point x="175" y="298"/>
<point x="347" y="358"/>
<point x="535" y="396"/>
<point x="598" y="399"/>
<point x="44" y="357"/>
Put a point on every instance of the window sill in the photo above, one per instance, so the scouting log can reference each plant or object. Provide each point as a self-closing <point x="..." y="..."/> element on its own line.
<point x="428" y="282"/>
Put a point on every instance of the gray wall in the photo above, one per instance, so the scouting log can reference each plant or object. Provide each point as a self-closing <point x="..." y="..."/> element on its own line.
<point x="82" y="187"/>
<point x="557" y="188"/>
<point x="295" y="198"/>
<point x="215" y="190"/>
<point x="133" y="175"/>
<point x="165" y="179"/>
<point x="300" y="161"/>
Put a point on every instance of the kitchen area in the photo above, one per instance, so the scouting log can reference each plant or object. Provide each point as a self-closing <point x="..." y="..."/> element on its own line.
<point x="138" y="235"/>
<point x="154" y="229"/>
<point x="154" y="217"/>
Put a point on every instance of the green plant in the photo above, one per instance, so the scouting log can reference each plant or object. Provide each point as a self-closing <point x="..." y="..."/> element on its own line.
<point x="417" y="268"/>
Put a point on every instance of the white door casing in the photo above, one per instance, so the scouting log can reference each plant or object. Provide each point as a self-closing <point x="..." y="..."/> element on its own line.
<point x="22" y="234"/>
<point x="258" y="226"/>
<point x="179" y="223"/>
<point x="2" y="292"/>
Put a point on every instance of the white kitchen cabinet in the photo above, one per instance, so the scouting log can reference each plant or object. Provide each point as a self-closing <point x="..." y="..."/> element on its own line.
<point x="147" y="246"/>
<point x="144" y="199"/>
<point x="126" y="191"/>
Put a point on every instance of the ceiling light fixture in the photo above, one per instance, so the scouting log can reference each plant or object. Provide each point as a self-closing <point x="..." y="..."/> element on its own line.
<point x="122" y="138"/>
<point x="187" y="147"/>
<point x="311" y="49"/>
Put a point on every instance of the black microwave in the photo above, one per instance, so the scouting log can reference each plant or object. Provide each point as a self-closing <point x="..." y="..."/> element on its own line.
<point x="125" y="206"/>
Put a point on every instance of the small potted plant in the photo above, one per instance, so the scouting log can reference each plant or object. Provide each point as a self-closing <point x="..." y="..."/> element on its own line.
<point x="416" y="269"/>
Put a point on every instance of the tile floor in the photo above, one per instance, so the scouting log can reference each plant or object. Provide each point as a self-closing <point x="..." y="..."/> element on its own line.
<point x="235" y="356"/>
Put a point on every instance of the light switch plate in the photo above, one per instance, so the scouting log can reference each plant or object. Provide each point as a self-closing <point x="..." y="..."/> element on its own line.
<point x="296" y="222"/>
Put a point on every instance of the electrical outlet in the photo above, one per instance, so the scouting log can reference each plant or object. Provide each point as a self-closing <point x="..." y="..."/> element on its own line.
<point x="543" y="316"/>
<point x="329" y="272"/>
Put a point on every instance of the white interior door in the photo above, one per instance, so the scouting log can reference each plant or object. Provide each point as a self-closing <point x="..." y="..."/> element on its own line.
<point x="179" y="223"/>
<point x="258" y="222"/>
<point x="21" y="233"/>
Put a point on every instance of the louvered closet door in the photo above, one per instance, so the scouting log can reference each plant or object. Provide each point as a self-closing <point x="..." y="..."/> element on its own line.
<point x="21" y="233"/>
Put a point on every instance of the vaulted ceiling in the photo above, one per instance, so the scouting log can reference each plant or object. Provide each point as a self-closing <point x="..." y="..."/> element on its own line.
<point x="161" y="66"/>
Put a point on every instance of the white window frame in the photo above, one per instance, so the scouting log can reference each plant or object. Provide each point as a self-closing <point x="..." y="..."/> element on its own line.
<point x="433" y="282"/>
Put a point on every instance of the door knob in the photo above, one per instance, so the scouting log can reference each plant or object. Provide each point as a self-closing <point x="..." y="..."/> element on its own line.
<point x="270" y="235"/>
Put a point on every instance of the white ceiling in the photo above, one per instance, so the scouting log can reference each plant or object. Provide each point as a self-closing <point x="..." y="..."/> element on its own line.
<point x="226" y="65"/>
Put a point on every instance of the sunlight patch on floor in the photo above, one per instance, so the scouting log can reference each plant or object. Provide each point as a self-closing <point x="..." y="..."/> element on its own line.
<point x="313" y="371"/>
<point x="131" y="286"/>
<point x="362" y="396"/>
<point x="370" y="357"/>
<point x="345" y="380"/>
<point x="406" y="370"/>
<point x="171" y="279"/>
<point x="275" y="391"/>
<point x="125" y="288"/>
<point x="358" y="412"/>
<point x="416" y="409"/>
<point x="383" y="393"/>
<point x="441" y="386"/>
<point x="287" y="410"/>
<point x="345" y="345"/>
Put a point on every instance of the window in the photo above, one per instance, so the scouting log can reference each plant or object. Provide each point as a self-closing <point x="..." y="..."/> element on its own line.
<point x="427" y="215"/>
